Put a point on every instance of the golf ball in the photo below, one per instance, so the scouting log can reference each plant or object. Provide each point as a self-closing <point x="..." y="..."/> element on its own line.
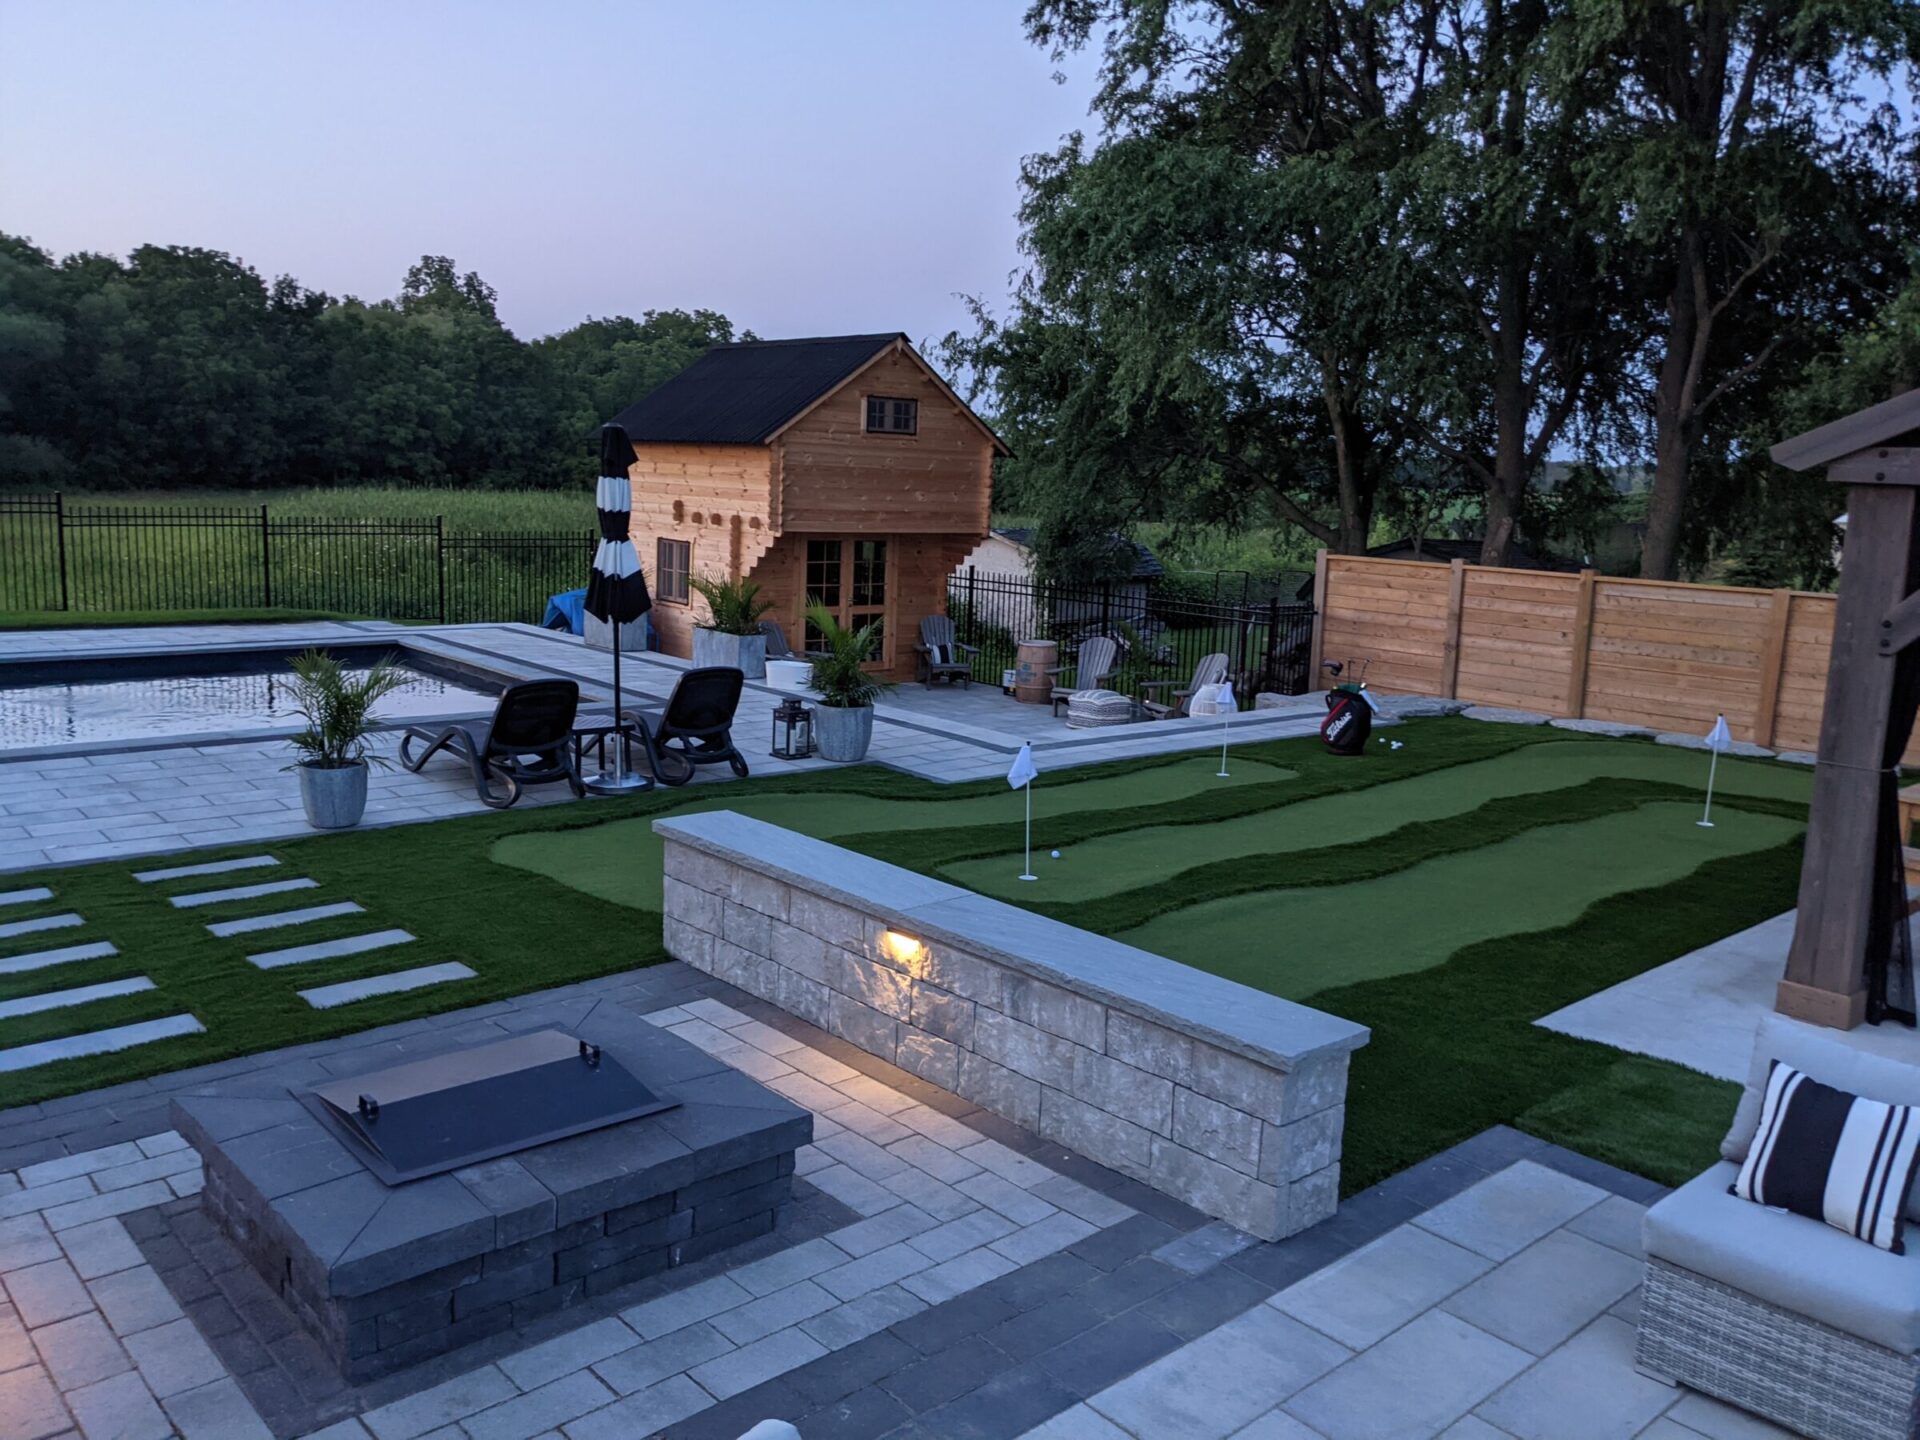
<point x="1056" y="854"/>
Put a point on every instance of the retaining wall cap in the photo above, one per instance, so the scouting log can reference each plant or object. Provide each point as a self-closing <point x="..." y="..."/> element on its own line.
<point x="1281" y="1033"/>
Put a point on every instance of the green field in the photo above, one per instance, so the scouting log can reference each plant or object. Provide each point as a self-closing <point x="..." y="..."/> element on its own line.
<point x="1446" y="894"/>
<point x="556" y="510"/>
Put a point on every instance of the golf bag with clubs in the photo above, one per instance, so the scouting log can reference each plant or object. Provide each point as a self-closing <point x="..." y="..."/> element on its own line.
<point x="1349" y="720"/>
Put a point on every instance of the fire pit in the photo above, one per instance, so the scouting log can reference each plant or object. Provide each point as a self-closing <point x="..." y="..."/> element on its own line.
<point x="412" y="1210"/>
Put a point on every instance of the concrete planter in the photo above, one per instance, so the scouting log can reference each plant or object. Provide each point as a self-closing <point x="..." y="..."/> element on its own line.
<point x="843" y="733"/>
<point x="335" y="796"/>
<point x="789" y="674"/>
<point x="745" y="653"/>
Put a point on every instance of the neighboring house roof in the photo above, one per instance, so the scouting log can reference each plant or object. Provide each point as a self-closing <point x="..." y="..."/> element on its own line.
<point x="747" y="393"/>
<point x="1146" y="565"/>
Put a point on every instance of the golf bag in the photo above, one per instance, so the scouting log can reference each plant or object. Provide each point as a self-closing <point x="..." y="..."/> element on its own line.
<point x="1349" y="720"/>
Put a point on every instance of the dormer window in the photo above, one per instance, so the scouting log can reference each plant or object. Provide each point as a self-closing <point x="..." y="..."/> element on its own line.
<point x="889" y="416"/>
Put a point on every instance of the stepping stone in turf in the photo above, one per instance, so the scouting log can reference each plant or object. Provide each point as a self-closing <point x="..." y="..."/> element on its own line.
<point x="25" y="897"/>
<point x="61" y="999"/>
<point x="41" y="959"/>
<point x="240" y="892"/>
<point x="212" y="867"/>
<point x="224" y="928"/>
<point x="325" y="997"/>
<point x="328" y="949"/>
<point x="98" y="1042"/>
<point x="45" y="922"/>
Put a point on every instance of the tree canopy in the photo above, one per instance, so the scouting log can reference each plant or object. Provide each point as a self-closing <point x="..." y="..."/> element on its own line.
<point x="1344" y="264"/>
<point x="182" y="368"/>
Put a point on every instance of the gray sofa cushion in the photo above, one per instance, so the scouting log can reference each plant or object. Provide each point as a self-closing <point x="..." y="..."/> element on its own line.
<point x="1788" y="1261"/>
<point x="1828" y="1057"/>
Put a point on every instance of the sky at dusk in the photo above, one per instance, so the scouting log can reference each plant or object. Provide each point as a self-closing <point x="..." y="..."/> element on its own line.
<point x="808" y="167"/>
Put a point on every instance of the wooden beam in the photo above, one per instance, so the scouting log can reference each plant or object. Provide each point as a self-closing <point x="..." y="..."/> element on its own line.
<point x="1450" y="646"/>
<point x="1315" y="652"/>
<point x="1898" y="465"/>
<point x="1581" y="642"/>
<point x="1901" y="627"/>
<point x="1772" y="657"/>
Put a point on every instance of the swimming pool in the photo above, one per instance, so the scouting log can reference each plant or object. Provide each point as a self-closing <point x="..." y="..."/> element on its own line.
<point x="170" y="698"/>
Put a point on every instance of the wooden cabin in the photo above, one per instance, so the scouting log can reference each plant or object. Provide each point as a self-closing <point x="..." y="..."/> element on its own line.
<point x="841" y="467"/>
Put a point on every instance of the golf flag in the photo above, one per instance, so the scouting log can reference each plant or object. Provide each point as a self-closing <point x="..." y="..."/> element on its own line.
<point x="1024" y="770"/>
<point x="1719" y="741"/>
<point x="1223" y="695"/>
<point x="1224" y="702"/>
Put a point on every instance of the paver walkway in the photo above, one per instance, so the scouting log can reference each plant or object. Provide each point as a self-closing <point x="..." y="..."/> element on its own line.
<point x="977" y="1282"/>
<point x="136" y="799"/>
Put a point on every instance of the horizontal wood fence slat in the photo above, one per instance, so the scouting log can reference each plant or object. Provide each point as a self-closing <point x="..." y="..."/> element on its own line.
<point x="1663" y="654"/>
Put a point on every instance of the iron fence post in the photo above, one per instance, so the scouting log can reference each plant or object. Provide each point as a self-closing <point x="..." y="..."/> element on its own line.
<point x="60" y="541"/>
<point x="266" y="560"/>
<point x="440" y="552"/>
<point x="970" y="606"/>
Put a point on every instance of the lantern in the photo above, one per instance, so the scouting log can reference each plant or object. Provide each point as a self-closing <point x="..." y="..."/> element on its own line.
<point x="792" y="731"/>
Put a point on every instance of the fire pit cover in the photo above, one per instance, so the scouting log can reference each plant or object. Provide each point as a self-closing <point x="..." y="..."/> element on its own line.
<point x="422" y="1118"/>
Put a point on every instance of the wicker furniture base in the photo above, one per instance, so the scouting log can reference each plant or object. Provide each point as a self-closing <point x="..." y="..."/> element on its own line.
<point x="1792" y="1370"/>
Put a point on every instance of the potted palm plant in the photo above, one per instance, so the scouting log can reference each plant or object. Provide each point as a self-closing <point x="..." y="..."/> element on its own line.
<point x="338" y="709"/>
<point x="843" y="723"/>
<point x="731" y="635"/>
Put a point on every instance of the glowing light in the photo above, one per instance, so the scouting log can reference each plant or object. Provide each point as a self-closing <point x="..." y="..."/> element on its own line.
<point x="902" y="949"/>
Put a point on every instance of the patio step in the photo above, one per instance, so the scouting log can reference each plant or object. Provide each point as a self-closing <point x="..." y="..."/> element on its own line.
<point x="280" y="918"/>
<point x="211" y="867"/>
<point x="79" y="995"/>
<point x="25" y="897"/>
<point x="66" y="954"/>
<point x="45" y="922"/>
<point x="325" y="997"/>
<point x="98" y="1042"/>
<point x="240" y="892"/>
<point x="329" y="949"/>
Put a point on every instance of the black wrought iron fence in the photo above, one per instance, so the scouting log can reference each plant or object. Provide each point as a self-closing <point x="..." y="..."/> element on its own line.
<point x="55" y="556"/>
<point x="1164" y="636"/>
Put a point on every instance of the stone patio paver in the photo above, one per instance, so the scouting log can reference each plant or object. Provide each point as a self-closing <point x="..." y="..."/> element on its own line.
<point x="396" y="982"/>
<point x="61" y="955"/>
<point x="98" y="1042"/>
<point x="328" y="949"/>
<point x="1364" y="1298"/>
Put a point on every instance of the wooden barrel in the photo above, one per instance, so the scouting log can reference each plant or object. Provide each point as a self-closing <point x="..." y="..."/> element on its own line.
<point x="1032" y="685"/>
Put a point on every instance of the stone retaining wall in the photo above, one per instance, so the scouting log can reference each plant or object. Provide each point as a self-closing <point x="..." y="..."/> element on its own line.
<point x="1226" y="1097"/>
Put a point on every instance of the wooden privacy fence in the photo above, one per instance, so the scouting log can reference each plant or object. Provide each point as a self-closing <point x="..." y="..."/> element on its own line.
<point x="1662" y="654"/>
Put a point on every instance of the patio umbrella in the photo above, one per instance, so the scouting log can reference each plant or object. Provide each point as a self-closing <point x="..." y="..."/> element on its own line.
<point x="616" y="589"/>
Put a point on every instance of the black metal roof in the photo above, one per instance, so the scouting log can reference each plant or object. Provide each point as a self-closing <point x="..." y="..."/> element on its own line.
<point x="742" y="394"/>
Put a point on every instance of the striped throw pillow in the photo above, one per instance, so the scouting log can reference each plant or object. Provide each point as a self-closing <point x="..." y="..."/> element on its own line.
<point x="1832" y="1156"/>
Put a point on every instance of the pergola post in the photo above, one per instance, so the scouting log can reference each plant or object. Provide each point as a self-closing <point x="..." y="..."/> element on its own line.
<point x="1876" y="454"/>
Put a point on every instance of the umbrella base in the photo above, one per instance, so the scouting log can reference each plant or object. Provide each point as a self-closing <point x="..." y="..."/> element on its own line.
<point x="611" y="783"/>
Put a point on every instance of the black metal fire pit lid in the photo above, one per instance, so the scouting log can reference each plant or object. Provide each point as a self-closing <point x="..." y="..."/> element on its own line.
<point x="428" y="1116"/>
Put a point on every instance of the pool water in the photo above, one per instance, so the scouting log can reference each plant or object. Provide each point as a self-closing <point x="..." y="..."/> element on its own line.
<point x="172" y="707"/>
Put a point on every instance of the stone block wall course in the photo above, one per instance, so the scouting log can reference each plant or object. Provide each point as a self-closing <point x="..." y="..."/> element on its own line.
<point x="1227" y="1098"/>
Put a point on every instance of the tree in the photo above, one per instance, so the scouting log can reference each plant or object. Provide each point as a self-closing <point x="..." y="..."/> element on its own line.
<point x="1756" y="170"/>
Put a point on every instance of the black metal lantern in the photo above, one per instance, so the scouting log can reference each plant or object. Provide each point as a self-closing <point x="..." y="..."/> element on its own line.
<point x="792" y="731"/>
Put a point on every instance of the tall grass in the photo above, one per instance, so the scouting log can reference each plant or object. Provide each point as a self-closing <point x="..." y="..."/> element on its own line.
<point x="490" y="510"/>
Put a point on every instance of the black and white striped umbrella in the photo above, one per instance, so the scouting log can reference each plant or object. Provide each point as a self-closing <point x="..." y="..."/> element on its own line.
<point x="616" y="590"/>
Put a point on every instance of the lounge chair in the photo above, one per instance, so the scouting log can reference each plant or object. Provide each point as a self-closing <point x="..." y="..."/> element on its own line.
<point x="529" y="741"/>
<point x="1211" y="670"/>
<point x="777" y="647"/>
<point x="1093" y="669"/>
<point x="938" y="655"/>
<point x="695" y="727"/>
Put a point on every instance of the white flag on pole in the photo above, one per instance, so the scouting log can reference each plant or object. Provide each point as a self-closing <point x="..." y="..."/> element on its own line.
<point x="1024" y="770"/>
<point x="1223" y="695"/>
<point x="1719" y="738"/>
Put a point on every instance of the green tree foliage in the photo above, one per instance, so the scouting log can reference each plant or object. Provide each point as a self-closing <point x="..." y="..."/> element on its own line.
<point x="182" y="368"/>
<point x="1343" y="263"/>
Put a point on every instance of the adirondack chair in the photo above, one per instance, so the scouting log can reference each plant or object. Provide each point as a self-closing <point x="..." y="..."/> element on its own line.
<point x="1093" y="669"/>
<point x="938" y="655"/>
<point x="1211" y="670"/>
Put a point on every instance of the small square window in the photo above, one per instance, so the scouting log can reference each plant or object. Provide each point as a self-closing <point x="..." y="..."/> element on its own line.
<point x="890" y="415"/>
<point x="673" y="563"/>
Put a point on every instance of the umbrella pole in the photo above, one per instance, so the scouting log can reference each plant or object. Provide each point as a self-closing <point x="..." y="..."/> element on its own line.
<point x="619" y="733"/>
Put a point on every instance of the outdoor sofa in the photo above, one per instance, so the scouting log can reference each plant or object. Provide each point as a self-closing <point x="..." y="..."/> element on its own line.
<point x="1779" y="1314"/>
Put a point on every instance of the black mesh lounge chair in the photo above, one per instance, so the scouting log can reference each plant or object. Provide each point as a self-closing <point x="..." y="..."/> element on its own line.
<point x="529" y="741"/>
<point x="777" y="647"/>
<point x="696" y="726"/>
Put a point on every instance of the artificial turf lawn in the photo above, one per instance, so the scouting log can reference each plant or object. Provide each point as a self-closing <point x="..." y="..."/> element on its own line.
<point x="1454" y="1049"/>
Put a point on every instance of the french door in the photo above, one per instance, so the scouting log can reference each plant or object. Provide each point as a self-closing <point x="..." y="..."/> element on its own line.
<point x="849" y="577"/>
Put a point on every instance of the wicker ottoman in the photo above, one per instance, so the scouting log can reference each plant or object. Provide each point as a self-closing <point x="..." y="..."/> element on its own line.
<point x="1092" y="709"/>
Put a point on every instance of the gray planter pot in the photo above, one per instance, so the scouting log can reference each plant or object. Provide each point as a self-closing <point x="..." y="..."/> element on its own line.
<point x="335" y="796"/>
<point x="843" y="733"/>
<point x="745" y="653"/>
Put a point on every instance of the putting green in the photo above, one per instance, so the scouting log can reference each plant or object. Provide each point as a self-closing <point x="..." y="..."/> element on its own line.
<point x="620" y="860"/>
<point x="1113" y="864"/>
<point x="1297" y="942"/>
